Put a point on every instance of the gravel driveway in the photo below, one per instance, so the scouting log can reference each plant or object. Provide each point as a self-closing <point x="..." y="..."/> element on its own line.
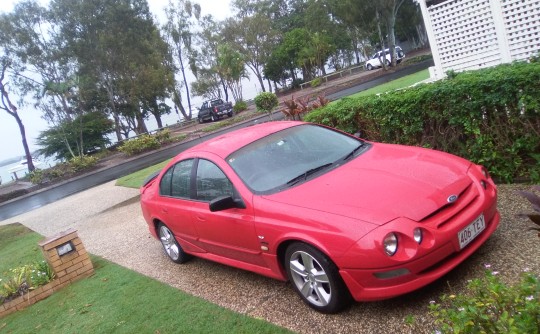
<point x="110" y="223"/>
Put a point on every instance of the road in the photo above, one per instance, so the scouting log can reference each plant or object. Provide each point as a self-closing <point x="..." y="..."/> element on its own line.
<point x="46" y="196"/>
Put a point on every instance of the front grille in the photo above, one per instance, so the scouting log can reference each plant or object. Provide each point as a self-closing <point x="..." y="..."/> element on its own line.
<point x="448" y="211"/>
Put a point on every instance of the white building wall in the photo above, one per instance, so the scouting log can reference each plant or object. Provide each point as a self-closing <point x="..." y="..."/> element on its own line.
<point x="473" y="34"/>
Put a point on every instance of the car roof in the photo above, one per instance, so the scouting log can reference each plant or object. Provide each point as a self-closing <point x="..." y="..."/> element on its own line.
<point x="229" y="142"/>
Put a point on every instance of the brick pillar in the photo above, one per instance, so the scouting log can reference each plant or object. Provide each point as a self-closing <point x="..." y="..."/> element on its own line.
<point x="67" y="257"/>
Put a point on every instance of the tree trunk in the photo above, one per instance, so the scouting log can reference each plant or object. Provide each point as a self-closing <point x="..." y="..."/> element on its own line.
<point x="184" y="76"/>
<point x="381" y="39"/>
<point x="27" y="153"/>
<point x="156" y="113"/>
<point x="12" y="110"/>
<point x="269" y="85"/>
<point x="117" y="125"/>
<point x="225" y="90"/>
<point x="390" y="23"/>
<point x="259" y="77"/>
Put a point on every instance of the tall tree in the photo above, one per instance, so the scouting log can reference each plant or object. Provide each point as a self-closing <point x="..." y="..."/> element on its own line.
<point x="179" y="30"/>
<point x="205" y="59"/>
<point x="119" y="54"/>
<point x="388" y="9"/>
<point x="231" y="68"/>
<point x="254" y="37"/>
<point x="11" y="109"/>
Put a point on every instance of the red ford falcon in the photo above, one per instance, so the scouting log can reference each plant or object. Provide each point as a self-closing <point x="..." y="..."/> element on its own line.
<point x="339" y="217"/>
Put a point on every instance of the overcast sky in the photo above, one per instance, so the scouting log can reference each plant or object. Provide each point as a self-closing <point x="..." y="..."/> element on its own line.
<point x="10" y="138"/>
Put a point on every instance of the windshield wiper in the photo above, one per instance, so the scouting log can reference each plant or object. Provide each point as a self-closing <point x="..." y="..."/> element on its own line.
<point x="350" y="155"/>
<point x="307" y="173"/>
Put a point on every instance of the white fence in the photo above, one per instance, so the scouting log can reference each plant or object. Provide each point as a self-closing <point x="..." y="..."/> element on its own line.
<point x="473" y="34"/>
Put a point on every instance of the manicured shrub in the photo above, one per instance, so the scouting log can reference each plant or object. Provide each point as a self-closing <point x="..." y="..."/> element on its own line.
<point x="163" y="136"/>
<point x="266" y="102"/>
<point x="82" y="162"/>
<point x="239" y="106"/>
<point x="490" y="116"/>
<point x="316" y="82"/>
<point x="138" y="145"/>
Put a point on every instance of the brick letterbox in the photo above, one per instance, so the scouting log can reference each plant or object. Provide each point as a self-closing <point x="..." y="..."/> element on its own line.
<point x="67" y="257"/>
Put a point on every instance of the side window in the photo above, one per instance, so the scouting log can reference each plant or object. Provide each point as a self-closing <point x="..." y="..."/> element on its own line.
<point x="175" y="181"/>
<point x="211" y="182"/>
<point x="165" y="185"/>
<point x="181" y="176"/>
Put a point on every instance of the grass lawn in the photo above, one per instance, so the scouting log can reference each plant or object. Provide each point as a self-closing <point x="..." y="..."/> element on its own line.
<point x="136" y="179"/>
<point x="18" y="247"/>
<point x="403" y="82"/>
<point x="117" y="300"/>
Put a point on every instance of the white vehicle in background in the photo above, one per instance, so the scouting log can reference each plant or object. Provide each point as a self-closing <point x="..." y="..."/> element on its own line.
<point x="375" y="61"/>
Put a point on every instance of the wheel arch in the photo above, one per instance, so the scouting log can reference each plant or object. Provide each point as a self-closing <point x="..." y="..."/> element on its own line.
<point x="284" y="244"/>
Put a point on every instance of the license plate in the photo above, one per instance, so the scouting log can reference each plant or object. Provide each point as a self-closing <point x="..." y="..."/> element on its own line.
<point x="470" y="232"/>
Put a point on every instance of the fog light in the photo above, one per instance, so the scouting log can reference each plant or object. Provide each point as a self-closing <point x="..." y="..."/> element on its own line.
<point x="485" y="172"/>
<point x="390" y="243"/>
<point x="418" y="235"/>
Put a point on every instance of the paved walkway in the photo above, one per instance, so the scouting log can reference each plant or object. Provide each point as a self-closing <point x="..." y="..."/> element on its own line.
<point x="110" y="223"/>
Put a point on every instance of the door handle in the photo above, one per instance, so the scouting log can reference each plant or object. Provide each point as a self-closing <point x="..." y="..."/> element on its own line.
<point x="164" y="210"/>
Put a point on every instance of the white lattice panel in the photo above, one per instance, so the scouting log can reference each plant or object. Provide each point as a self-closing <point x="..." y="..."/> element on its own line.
<point x="465" y="34"/>
<point x="522" y="23"/>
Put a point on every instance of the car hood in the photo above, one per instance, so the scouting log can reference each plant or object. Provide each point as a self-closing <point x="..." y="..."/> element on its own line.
<point x="382" y="184"/>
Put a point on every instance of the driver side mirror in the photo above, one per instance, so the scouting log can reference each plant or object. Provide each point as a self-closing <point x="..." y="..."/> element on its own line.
<point x="226" y="202"/>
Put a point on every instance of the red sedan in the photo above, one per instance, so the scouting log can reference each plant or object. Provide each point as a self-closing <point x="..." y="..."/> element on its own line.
<point x="339" y="217"/>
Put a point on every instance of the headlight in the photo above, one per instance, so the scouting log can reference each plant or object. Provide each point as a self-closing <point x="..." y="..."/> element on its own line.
<point x="418" y="235"/>
<point x="390" y="243"/>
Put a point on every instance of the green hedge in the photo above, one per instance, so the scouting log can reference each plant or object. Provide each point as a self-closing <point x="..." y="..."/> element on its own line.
<point x="490" y="116"/>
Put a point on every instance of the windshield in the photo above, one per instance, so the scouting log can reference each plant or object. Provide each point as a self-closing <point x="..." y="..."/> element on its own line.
<point x="291" y="156"/>
<point x="216" y="102"/>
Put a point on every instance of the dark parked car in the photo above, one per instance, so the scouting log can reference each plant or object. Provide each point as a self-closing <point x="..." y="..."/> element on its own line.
<point x="214" y="109"/>
<point x="343" y="219"/>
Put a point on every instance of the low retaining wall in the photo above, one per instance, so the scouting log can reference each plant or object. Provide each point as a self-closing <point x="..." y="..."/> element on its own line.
<point x="70" y="262"/>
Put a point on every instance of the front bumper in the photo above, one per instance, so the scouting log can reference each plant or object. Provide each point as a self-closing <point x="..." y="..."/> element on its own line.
<point x="365" y="286"/>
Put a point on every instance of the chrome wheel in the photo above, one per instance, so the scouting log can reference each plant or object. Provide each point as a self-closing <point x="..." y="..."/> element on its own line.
<point x="213" y="118"/>
<point x="310" y="278"/>
<point x="369" y="67"/>
<point x="173" y="250"/>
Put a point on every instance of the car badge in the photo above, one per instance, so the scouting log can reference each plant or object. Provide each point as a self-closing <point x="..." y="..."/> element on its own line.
<point x="452" y="198"/>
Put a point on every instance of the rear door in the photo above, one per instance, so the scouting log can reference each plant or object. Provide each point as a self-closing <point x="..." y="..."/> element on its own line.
<point x="175" y="193"/>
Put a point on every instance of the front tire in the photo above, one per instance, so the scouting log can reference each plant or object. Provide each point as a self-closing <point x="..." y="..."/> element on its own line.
<point x="172" y="248"/>
<point x="369" y="67"/>
<point x="316" y="279"/>
<point x="200" y="120"/>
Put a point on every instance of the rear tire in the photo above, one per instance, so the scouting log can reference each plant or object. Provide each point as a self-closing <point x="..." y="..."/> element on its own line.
<point x="172" y="248"/>
<point x="316" y="279"/>
<point x="213" y="118"/>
